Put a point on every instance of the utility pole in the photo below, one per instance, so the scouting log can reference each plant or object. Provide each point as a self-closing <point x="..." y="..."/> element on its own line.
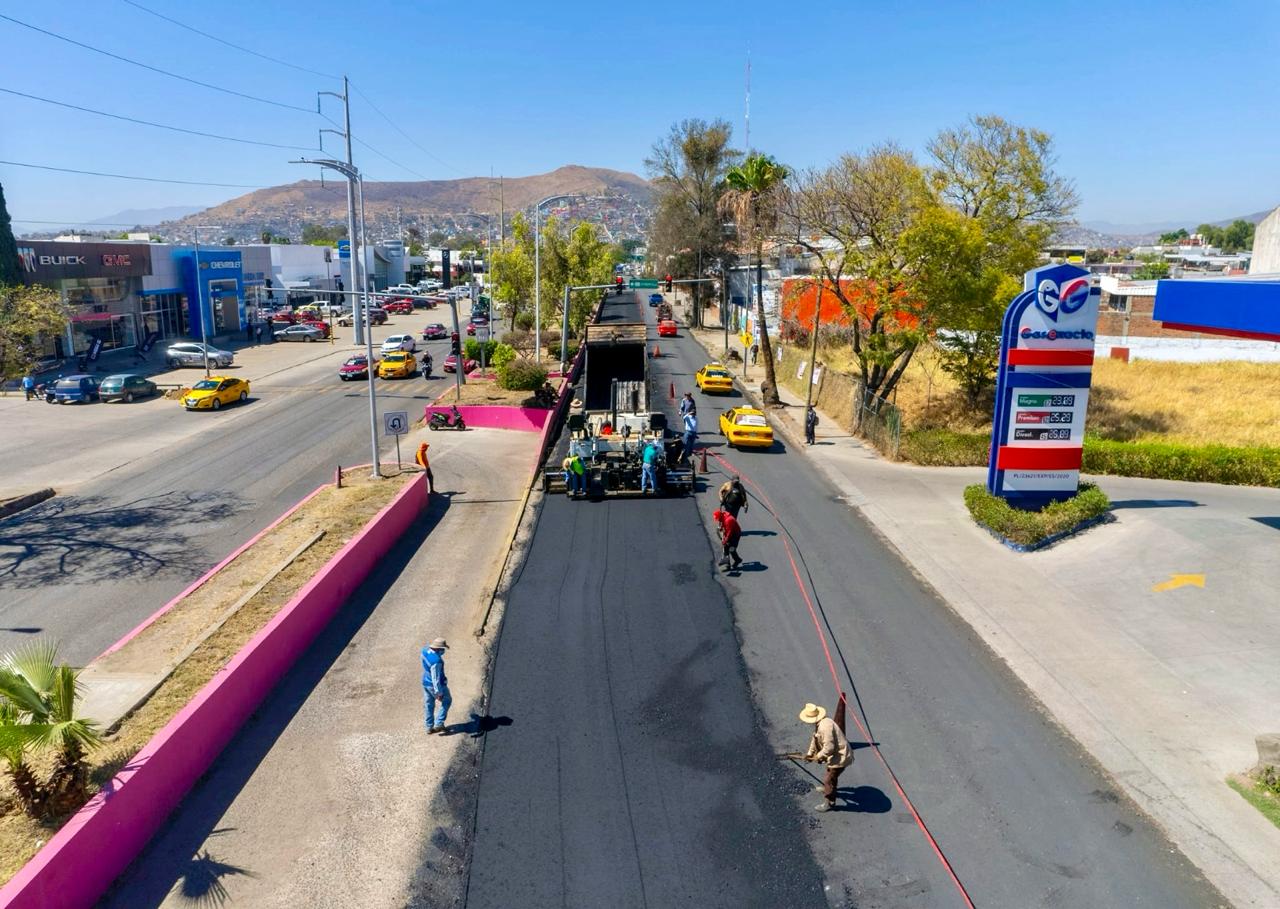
<point x="813" y="349"/>
<point x="351" y="202"/>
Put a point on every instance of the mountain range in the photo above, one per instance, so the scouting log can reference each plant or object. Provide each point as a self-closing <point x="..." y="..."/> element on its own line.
<point x="1107" y="234"/>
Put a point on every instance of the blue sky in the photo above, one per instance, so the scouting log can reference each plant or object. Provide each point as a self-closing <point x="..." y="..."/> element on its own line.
<point x="1160" y="112"/>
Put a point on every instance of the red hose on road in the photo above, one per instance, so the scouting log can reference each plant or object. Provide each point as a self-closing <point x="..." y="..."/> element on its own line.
<point x="835" y="677"/>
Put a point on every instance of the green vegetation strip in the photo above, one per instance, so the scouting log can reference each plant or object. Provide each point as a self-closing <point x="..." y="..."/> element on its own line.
<point x="1029" y="528"/>
<point x="1257" y="795"/>
<point x="1252" y="466"/>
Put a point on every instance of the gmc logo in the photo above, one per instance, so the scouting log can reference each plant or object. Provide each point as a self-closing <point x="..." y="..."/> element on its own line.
<point x="121" y="260"/>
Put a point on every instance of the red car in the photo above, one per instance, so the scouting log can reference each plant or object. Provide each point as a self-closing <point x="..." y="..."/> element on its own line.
<point x="666" y="329"/>
<point x="356" y="367"/>
<point x="400" y="307"/>
<point x="434" y="332"/>
<point x="451" y="364"/>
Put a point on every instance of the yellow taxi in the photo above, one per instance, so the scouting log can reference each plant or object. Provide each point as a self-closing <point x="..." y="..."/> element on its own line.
<point x="746" y="427"/>
<point x="713" y="378"/>
<point x="398" y="364"/>
<point x="213" y="392"/>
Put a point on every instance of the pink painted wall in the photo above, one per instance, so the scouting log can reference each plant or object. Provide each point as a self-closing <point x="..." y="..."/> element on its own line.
<point x="496" y="416"/>
<point x="98" y="843"/>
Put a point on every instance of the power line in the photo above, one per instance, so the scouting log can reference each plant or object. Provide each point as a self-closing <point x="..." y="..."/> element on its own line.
<point x="230" y="44"/>
<point x="360" y="141"/>
<point x="176" y="129"/>
<point x="156" y="69"/>
<point x="412" y="140"/>
<point x="94" y="173"/>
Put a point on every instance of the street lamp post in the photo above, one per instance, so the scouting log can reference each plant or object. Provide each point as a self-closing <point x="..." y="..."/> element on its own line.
<point x="353" y="177"/>
<point x="204" y="317"/>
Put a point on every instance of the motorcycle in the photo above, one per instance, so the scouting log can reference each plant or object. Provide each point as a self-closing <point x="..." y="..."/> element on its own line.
<point x="426" y="365"/>
<point x="447" y="420"/>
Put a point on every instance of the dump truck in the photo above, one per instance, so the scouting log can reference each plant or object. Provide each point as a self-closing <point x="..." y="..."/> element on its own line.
<point x="614" y="422"/>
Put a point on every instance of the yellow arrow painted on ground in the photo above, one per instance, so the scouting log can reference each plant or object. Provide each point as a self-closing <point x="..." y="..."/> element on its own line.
<point x="1180" y="580"/>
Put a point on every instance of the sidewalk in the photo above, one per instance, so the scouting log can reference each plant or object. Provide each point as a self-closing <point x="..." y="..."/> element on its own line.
<point x="333" y="794"/>
<point x="1166" y="689"/>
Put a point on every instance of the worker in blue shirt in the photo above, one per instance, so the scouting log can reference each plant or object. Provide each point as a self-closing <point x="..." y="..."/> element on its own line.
<point x="435" y="687"/>
<point x="648" y="469"/>
<point x="690" y="435"/>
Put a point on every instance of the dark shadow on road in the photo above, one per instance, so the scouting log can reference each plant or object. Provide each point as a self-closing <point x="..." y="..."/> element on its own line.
<point x="482" y="725"/>
<point x="1273" y="523"/>
<point x="90" y="539"/>
<point x="759" y="533"/>
<point x="1156" y="503"/>
<point x="200" y="883"/>
<point x="863" y="800"/>
<point x="156" y="871"/>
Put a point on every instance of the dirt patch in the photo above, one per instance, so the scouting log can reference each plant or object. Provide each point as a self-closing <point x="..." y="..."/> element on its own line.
<point x="341" y="513"/>
<point x="487" y="391"/>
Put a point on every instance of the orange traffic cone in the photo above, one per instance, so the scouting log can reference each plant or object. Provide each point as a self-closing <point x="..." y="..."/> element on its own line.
<point x="657" y="351"/>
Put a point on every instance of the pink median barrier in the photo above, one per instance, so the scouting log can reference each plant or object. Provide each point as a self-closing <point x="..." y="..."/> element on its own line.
<point x="496" y="416"/>
<point x="83" y="858"/>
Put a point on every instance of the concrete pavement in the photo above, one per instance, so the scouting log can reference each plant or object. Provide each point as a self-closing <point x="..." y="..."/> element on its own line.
<point x="333" y="795"/>
<point x="1166" y="689"/>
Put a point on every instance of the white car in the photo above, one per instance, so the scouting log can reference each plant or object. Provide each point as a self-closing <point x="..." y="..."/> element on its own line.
<point x="428" y="286"/>
<point x="399" y="342"/>
<point x="407" y="289"/>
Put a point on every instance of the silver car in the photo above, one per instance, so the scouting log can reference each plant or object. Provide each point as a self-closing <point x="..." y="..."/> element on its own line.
<point x="300" y="332"/>
<point x="192" y="353"/>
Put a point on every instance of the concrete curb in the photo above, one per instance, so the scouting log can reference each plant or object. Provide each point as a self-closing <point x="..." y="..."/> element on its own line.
<point x="21" y="503"/>
<point x="83" y="858"/>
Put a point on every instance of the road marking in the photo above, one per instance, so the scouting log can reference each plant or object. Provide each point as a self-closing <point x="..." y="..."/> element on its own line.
<point x="1180" y="580"/>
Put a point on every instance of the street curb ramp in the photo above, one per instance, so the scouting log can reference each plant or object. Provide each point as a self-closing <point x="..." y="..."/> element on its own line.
<point x="82" y="859"/>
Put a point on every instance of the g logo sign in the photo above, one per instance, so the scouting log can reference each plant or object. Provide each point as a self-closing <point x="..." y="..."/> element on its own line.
<point x="1067" y="299"/>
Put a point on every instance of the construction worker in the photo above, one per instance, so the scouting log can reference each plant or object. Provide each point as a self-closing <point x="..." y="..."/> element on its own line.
<point x="733" y="497"/>
<point x="690" y="434"/>
<point x="435" y="687"/>
<point x="575" y="475"/>
<point x="830" y="745"/>
<point x="649" y="468"/>
<point x="730" y="533"/>
<point x="687" y="404"/>
<point x="421" y="460"/>
<point x="810" y="424"/>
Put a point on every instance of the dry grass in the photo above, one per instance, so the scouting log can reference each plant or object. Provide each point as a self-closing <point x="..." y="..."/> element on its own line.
<point x="340" y="512"/>
<point x="1230" y="403"/>
<point x="487" y="391"/>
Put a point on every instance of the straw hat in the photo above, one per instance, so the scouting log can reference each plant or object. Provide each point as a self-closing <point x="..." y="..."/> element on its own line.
<point x="812" y="713"/>
<point x="441" y="644"/>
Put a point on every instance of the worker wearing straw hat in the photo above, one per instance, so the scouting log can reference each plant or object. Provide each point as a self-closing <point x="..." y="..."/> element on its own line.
<point x="830" y="745"/>
<point x="435" y="687"/>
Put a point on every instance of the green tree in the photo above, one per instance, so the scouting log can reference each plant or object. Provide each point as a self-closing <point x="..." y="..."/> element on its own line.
<point x="39" y="697"/>
<point x="10" y="267"/>
<point x="688" y="167"/>
<point x="1153" y="268"/>
<point x="322" y="234"/>
<point x="1237" y="236"/>
<point x="513" y="269"/>
<point x="1174" y="237"/>
<point x="752" y="198"/>
<point x="28" y="315"/>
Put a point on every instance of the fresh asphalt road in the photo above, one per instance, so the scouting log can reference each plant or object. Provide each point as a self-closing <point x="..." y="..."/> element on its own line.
<point x="85" y="568"/>
<point x="639" y="771"/>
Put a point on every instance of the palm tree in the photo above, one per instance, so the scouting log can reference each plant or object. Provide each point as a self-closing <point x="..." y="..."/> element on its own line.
<point x="38" y="697"/>
<point x="751" y="199"/>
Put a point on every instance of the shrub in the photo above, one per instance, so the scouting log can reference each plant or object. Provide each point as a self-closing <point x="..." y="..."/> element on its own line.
<point x="945" y="448"/>
<point x="503" y="355"/>
<point x="472" y="349"/>
<point x="524" y="321"/>
<point x="1029" y="528"/>
<point x="520" y="340"/>
<point x="522" y="375"/>
<point x="1253" y="466"/>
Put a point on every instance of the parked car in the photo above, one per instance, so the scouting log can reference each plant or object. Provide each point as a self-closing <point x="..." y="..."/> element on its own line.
<point x="377" y="315"/>
<point x="192" y="353"/>
<point x="316" y="322"/>
<point x="125" y="386"/>
<point x="399" y="342"/>
<point x="356" y="367"/>
<point x="655" y="299"/>
<point x="213" y="392"/>
<point x="451" y="364"/>
<point x="667" y="329"/>
<point x="78" y="389"/>
<point x="435" y="332"/>
<point x="285" y="315"/>
<point x="428" y="285"/>
<point x="304" y="331"/>
<point x="398" y="364"/>
<point x="400" y="307"/>
<point x="407" y="289"/>
<point x="746" y="427"/>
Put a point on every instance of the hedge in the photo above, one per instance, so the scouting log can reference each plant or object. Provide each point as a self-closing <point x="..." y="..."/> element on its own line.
<point x="522" y="375"/>
<point x="1028" y="529"/>
<point x="1253" y="466"/>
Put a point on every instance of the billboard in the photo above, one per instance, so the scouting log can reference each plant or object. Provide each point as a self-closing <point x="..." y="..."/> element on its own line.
<point x="44" y="261"/>
<point x="1042" y="387"/>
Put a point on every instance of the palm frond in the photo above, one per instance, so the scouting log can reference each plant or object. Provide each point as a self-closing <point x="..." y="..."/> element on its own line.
<point x="63" y="695"/>
<point x="36" y="662"/>
<point x="18" y="693"/>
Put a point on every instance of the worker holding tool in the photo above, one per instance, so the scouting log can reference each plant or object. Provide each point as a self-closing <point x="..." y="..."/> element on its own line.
<point x="575" y="475"/>
<point x="830" y="745"/>
<point x="730" y="532"/>
<point x="435" y="687"/>
<point x="649" y="468"/>
<point x="733" y="497"/>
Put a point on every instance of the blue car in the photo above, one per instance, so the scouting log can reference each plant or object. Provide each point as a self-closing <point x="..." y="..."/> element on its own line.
<point x="655" y="299"/>
<point x="75" y="389"/>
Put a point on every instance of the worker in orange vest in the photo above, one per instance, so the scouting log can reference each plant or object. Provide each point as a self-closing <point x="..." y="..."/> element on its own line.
<point x="421" y="459"/>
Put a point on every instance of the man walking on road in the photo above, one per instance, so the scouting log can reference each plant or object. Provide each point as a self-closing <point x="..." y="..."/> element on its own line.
<point x="733" y="497"/>
<point x="810" y="424"/>
<point x="690" y="434"/>
<point x="830" y="745"/>
<point x="730" y="532"/>
<point x="755" y="352"/>
<point x="28" y="386"/>
<point x="687" y="405"/>
<point x="435" y="687"/>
